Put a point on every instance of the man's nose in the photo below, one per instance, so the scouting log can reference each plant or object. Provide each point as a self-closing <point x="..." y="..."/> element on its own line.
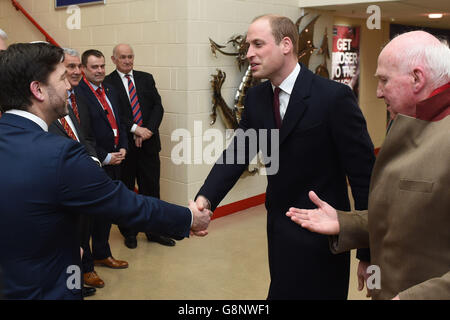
<point x="250" y="52"/>
<point x="379" y="91"/>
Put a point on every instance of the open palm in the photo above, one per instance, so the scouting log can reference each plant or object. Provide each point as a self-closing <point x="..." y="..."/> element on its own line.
<point x="322" y="220"/>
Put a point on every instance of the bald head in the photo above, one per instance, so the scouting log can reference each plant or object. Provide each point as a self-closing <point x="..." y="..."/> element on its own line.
<point x="123" y="58"/>
<point x="420" y="49"/>
<point x="410" y="68"/>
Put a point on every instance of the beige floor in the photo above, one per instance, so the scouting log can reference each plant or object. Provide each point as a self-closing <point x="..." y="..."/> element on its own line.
<point x="230" y="263"/>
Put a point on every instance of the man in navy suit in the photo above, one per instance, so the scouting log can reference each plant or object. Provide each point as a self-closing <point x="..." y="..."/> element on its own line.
<point x="48" y="180"/>
<point x="323" y="140"/>
<point x="111" y="142"/>
<point x="142" y="113"/>
<point x="77" y="126"/>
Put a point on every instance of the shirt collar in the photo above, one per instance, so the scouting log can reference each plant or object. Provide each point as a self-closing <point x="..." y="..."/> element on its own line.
<point x="122" y="75"/>
<point x="25" y="114"/>
<point x="288" y="84"/>
<point x="436" y="107"/>
<point x="94" y="86"/>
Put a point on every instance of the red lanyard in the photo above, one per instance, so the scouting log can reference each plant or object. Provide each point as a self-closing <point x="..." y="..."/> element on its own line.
<point x="101" y="98"/>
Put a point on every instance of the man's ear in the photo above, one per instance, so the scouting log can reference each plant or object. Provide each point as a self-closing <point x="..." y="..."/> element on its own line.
<point x="37" y="91"/>
<point x="419" y="79"/>
<point x="287" y="45"/>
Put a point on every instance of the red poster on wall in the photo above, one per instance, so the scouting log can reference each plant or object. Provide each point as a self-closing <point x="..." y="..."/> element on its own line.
<point x="345" y="57"/>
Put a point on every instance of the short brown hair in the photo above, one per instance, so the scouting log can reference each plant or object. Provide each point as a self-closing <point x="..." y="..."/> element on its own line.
<point x="88" y="53"/>
<point x="282" y="27"/>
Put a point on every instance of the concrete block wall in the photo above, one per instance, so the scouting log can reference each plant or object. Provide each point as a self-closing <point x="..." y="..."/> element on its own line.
<point x="170" y="39"/>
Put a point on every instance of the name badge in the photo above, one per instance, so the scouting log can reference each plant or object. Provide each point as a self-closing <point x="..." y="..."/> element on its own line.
<point x="115" y="132"/>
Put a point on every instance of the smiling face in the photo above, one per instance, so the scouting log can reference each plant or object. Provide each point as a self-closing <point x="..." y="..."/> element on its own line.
<point x="56" y="93"/>
<point x="266" y="57"/>
<point x="73" y="67"/>
<point x="123" y="58"/>
<point x="95" y="69"/>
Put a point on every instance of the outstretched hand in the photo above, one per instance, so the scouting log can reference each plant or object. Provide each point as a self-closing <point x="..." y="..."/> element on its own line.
<point x="322" y="220"/>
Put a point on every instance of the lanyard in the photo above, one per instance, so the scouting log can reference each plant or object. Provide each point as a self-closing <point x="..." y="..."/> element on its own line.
<point x="101" y="98"/>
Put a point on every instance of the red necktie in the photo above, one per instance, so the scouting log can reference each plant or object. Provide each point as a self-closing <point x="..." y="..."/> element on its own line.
<point x="75" y="107"/>
<point x="276" y="107"/>
<point x="109" y="114"/>
<point x="68" y="129"/>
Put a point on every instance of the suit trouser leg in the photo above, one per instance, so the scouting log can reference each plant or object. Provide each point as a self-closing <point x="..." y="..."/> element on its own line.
<point x="128" y="177"/>
<point x="87" y="260"/>
<point x="146" y="169"/>
<point x="102" y="227"/>
<point x="149" y="171"/>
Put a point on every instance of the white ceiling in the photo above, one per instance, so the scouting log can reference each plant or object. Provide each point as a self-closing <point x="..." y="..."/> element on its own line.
<point x="408" y="12"/>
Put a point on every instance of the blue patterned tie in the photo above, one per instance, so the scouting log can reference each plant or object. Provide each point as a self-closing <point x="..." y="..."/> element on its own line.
<point x="135" y="107"/>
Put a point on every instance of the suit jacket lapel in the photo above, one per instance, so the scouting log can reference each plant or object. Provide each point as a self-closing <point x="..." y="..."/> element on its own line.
<point x="61" y="128"/>
<point x="75" y="122"/>
<point x="114" y="107"/>
<point x="118" y="83"/>
<point x="267" y="105"/>
<point x="297" y="102"/>
<point x="95" y="103"/>
<point x="91" y="96"/>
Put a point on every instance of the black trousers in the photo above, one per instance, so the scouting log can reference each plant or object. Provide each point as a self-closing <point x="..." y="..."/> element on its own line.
<point x="145" y="168"/>
<point x="85" y="226"/>
<point x="102" y="227"/>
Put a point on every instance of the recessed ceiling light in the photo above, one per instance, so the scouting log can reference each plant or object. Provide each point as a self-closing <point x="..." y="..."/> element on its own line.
<point x="435" y="15"/>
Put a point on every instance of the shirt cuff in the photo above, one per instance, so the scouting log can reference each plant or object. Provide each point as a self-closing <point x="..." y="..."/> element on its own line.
<point x="192" y="217"/>
<point x="107" y="160"/>
<point x="133" y="128"/>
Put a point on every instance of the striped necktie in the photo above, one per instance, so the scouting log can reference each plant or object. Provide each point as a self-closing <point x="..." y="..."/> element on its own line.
<point x="68" y="129"/>
<point x="135" y="107"/>
<point x="74" y="106"/>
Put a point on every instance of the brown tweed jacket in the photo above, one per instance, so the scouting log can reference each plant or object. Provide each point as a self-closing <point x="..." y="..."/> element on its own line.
<point x="407" y="224"/>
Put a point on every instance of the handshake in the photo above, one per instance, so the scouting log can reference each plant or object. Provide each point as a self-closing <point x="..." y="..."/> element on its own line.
<point x="201" y="216"/>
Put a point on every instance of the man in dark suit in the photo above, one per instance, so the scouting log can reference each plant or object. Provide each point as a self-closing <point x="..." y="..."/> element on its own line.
<point x="77" y="126"/>
<point x="111" y="142"/>
<point x="51" y="180"/>
<point x="142" y="113"/>
<point x="323" y="140"/>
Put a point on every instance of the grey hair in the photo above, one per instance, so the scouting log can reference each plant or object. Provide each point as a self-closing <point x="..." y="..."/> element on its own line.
<point x="435" y="59"/>
<point x="71" y="52"/>
<point x="3" y="35"/>
<point x="117" y="45"/>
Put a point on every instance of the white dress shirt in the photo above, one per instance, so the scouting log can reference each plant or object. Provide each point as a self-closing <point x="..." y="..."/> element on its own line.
<point x="286" y="89"/>
<point x="25" y="114"/>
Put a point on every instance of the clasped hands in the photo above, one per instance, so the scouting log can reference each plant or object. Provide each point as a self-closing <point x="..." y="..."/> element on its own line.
<point x="140" y="135"/>
<point x="118" y="157"/>
<point x="201" y="216"/>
